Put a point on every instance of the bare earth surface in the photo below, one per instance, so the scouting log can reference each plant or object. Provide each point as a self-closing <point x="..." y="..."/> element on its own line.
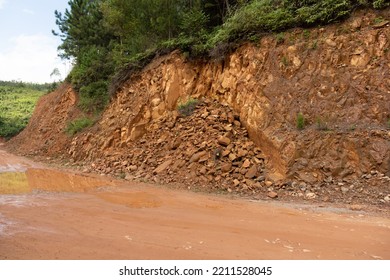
<point x="50" y="214"/>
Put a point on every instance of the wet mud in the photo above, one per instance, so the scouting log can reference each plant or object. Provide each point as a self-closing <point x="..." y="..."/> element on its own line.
<point x="53" y="214"/>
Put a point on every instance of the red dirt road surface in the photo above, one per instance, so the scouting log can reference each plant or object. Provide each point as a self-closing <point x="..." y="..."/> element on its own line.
<point x="52" y="214"/>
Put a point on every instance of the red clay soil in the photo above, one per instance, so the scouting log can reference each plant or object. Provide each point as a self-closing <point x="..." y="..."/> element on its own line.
<point x="45" y="133"/>
<point x="97" y="218"/>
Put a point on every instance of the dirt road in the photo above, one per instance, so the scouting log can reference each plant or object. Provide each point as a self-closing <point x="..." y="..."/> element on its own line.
<point x="50" y="214"/>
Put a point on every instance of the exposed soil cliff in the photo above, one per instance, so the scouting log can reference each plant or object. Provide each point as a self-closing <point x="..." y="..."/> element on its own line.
<point x="243" y="134"/>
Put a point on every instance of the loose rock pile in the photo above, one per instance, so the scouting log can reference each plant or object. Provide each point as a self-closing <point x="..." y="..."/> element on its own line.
<point x="210" y="148"/>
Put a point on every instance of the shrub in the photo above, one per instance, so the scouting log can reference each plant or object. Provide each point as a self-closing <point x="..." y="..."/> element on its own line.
<point x="90" y="75"/>
<point x="78" y="124"/>
<point x="306" y="34"/>
<point x="257" y="16"/>
<point x="380" y="4"/>
<point x="263" y="16"/>
<point x="94" y="97"/>
<point x="280" y="38"/>
<point x="187" y="108"/>
<point x="11" y="127"/>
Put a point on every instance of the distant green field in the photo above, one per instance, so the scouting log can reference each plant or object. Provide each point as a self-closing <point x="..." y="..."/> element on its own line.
<point x="17" y="102"/>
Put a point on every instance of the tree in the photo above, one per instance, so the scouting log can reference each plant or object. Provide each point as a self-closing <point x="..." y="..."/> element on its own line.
<point x="87" y="40"/>
<point x="141" y="24"/>
<point x="80" y="27"/>
<point x="55" y="73"/>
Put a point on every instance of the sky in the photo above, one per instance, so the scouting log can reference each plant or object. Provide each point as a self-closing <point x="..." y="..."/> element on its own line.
<point x="28" y="49"/>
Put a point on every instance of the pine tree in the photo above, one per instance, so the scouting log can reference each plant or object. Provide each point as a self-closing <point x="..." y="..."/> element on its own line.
<point x="80" y="27"/>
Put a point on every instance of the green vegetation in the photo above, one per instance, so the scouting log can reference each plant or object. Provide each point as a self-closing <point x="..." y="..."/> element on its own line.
<point x="284" y="61"/>
<point x="108" y="39"/>
<point x="300" y="121"/>
<point x="93" y="97"/>
<point x="188" y="107"/>
<point x="378" y="20"/>
<point x="266" y="16"/>
<point x="306" y="34"/>
<point x="17" y="102"/>
<point x="280" y="37"/>
<point x="78" y="125"/>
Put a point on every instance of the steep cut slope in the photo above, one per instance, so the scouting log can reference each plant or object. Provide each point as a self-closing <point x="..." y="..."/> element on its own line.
<point x="336" y="79"/>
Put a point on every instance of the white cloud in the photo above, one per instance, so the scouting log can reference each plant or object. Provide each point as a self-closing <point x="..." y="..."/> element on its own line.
<point x="2" y="2"/>
<point x="27" y="11"/>
<point x="31" y="59"/>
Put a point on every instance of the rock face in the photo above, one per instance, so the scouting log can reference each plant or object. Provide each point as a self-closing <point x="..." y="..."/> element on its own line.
<point x="245" y="128"/>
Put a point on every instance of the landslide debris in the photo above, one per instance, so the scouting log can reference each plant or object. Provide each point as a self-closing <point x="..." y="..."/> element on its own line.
<point x="209" y="148"/>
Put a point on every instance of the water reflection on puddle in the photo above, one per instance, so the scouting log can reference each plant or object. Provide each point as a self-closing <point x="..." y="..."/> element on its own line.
<point x="47" y="180"/>
<point x="15" y="183"/>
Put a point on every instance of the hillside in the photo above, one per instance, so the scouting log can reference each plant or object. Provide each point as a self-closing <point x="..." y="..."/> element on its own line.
<point x="17" y="102"/>
<point x="300" y="115"/>
<point x="45" y="132"/>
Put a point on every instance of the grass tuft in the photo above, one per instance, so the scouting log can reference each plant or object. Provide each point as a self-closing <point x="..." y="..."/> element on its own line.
<point x="187" y="108"/>
<point x="78" y="125"/>
<point x="300" y="121"/>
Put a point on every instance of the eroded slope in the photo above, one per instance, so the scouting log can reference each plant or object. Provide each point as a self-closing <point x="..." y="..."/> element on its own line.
<point x="337" y="77"/>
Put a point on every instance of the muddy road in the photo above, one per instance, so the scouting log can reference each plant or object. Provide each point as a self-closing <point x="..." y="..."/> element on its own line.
<point x="52" y="214"/>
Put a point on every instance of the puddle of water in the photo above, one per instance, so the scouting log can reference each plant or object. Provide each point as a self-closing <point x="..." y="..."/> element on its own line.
<point x="13" y="183"/>
<point x="48" y="180"/>
<point x="132" y="200"/>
